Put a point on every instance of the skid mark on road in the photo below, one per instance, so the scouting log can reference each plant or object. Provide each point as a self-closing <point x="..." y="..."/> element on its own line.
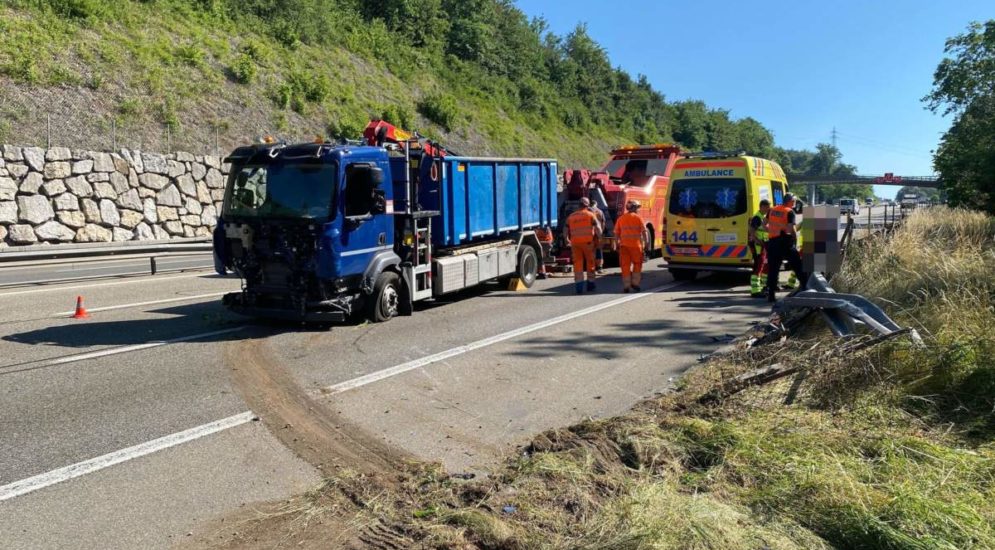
<point x="66" y="473"/>
<point x="314" y="432"/>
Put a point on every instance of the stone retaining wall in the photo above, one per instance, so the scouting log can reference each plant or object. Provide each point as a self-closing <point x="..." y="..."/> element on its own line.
<point x="59" y="195"/>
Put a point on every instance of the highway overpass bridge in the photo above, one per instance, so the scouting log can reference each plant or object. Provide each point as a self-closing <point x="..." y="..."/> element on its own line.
<point x="887" y="179"/>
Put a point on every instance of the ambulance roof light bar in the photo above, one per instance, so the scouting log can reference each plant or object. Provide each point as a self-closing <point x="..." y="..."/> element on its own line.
<point x="715" y="154"/>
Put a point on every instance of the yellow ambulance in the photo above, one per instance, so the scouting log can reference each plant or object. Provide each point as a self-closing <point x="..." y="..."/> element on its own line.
<point x="710" y="201"/>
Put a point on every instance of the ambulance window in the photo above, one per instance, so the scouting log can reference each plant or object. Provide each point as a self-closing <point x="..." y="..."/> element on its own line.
<point x="778" y="188"/>
<point x="708" y="197"/>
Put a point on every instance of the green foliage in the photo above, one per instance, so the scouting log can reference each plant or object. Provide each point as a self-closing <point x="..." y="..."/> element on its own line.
<point x="440" y="109"/>
<point x="301" y="89"/>
<point x="191" y="54"/>
<point x="244" y="69"/>
<point x="347" y="127"/>
<point x="964" y="85"/>
<point x="497" y="81"/>
<point x="399" y="115"/>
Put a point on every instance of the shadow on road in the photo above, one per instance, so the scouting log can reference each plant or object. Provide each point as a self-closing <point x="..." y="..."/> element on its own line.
<point x="613" y="340"/>
<point x="186" y="320"/>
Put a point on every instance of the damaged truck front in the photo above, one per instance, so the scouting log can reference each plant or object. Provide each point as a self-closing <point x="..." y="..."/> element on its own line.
<point x="319" y="231"/>
<point x="280" y="224"/>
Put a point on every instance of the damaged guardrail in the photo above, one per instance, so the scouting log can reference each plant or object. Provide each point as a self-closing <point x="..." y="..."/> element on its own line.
<point x="845" y="314"/>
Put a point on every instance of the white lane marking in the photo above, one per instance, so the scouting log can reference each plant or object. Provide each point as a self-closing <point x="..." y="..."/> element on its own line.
<point x="428" y="360"/>
<point x="136" y="347"/>
<point x="66" y="473"/>
<point x="149" y="303"/>
<point x="74" y="287"/>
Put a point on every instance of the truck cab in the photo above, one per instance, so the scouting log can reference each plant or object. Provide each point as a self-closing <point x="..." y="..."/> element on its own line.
<point x="322" y="231"/>
<point x="635" y="172"/>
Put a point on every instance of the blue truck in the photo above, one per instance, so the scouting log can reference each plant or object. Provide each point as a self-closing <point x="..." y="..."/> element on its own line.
<point x="322" y="232"/>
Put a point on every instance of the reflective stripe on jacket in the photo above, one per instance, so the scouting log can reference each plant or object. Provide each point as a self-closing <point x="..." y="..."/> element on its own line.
<point x="581" y="225"/>
<point x="760" y="232"/>
<point x="629" y="230"/>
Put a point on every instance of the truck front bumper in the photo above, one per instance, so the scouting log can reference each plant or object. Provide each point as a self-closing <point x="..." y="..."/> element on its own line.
<point x="236" y="302"/>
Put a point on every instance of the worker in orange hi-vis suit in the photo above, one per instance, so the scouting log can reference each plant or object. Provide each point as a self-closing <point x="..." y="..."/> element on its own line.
<point x="583" y="232"/>
<point x="632" y="237"/>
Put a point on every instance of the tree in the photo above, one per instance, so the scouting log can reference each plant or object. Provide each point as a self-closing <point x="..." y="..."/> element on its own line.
<point x="964" y="85"/>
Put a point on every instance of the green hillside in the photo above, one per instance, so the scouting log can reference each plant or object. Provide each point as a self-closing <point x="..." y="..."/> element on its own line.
<point x="200" y="74"/>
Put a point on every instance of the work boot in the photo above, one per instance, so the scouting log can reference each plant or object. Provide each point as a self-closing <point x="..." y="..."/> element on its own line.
<point x="625" y="291"/>
<point x="636" y="288"/>
<point x="579" y="287"/>
<point x="591" y="287"/>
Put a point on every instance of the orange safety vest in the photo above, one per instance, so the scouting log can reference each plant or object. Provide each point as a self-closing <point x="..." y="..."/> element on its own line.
<point x="581" y="225"/>
<point x="629" y="230"/>
<point x="777" y="221"/>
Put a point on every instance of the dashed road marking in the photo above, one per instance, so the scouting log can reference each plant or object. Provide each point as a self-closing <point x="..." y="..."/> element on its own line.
<point x="460" y="350"/>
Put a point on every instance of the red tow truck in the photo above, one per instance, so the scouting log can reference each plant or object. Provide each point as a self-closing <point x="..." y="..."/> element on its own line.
<point x="634" y="172"/>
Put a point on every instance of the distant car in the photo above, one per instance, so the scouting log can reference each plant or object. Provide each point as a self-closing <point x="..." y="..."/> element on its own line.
<point x="849" y="206"/>
<point x="869" y="201"/>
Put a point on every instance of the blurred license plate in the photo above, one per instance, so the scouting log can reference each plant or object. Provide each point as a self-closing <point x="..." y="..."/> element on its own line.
<point x="685" y="251"/>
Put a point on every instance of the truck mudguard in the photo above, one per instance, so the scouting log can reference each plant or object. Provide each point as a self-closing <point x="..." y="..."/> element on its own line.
<point x="381" y="261"/>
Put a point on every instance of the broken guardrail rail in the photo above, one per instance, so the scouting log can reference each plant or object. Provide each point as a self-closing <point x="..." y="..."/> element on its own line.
<point x="845" y="314"/>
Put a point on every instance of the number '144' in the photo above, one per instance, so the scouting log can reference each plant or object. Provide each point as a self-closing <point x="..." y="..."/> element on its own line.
<point x="685" y="237"/>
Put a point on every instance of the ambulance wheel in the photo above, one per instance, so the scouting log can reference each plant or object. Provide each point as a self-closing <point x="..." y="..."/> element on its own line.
<point x="528" y="266"/>
<point x="683" y="274"/>
<point x="385" y="302"/>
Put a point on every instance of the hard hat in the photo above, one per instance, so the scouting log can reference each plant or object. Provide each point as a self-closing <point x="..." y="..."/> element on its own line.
<point x="632" y="206"/>
<point x="584" y="201"/>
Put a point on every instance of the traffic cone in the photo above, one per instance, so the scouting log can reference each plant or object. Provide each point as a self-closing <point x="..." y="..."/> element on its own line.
<point x="80" y="310"/>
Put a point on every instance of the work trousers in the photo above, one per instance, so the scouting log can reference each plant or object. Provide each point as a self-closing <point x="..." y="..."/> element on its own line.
<point x="759" y="276"/>
<point x="630" y="259"/>
<point x="582" y="253"/>
<point x="779" y="250"/>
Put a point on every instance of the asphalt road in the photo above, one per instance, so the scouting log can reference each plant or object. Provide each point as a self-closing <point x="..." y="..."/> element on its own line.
<point x="135" y="427"/>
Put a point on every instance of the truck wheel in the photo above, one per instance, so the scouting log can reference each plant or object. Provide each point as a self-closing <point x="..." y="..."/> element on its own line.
<point x="528" y="266"/>
<point x="385" y="302"/>
<point x="683" y="274"/>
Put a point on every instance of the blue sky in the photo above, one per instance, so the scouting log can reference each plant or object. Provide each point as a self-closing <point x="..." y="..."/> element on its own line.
<point x="798" y="67"/>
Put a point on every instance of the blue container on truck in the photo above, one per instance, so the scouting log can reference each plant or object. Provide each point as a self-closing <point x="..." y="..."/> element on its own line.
<point x="322" y="231"/>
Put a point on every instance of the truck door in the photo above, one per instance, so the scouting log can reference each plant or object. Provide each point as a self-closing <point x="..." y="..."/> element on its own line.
<point x="366" y="227"/>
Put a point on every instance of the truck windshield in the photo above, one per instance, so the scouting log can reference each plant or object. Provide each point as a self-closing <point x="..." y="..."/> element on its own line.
<point x="708" y="197"/>
<point x="282" y="191"/>
<point x="636" y="170"/>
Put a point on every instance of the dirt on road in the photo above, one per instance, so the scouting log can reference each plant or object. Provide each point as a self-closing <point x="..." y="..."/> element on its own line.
<point x="362" y="466"/>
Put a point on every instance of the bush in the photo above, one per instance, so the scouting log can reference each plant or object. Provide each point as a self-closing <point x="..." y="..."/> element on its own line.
<point x="244" y="69"/>
<point x="191" y="55"/>
<point x="301" y="89"/>
<point x="399" y="115"/>
<point x="440" y="109"/>
<point x="346" y="127"/>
